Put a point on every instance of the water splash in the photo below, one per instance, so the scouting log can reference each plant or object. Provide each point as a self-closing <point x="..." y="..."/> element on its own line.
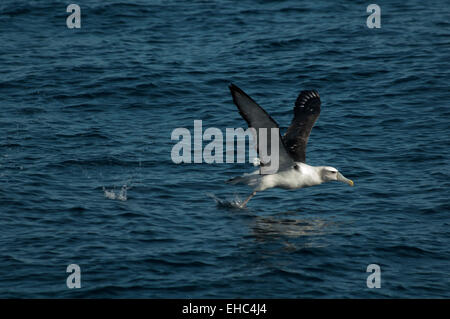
<point x="235" y="203"/>
<point x="119" y="195"/>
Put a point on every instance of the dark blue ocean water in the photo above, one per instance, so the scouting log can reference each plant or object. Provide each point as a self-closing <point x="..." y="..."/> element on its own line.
<point x="89" y="110"/>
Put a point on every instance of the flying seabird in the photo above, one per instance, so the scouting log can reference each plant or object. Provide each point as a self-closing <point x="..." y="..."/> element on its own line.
<point x="293" y="172"/>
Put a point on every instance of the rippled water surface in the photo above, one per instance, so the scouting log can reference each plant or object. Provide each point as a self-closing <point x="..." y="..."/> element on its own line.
<point x="86" y="175"/>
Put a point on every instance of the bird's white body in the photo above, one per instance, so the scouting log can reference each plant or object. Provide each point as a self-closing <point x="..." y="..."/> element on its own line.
<point x="302" y="176"/>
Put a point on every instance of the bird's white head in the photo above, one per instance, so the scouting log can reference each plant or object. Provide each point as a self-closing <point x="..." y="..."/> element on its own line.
<point x="329" y="174"/>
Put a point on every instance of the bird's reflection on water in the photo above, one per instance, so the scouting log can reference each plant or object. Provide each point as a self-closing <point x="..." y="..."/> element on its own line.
<point x="292" y="229"/>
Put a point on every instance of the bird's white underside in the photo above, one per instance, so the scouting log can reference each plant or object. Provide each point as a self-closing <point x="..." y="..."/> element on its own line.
<point x="302" y="176"/>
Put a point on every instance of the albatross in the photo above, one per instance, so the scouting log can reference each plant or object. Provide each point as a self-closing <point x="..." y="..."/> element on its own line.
<point x="293" y="172"/>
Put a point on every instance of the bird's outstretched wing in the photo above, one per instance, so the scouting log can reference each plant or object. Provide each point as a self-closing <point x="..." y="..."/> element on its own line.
<point x="306" y="112"/>
<point x="257" y="118"/>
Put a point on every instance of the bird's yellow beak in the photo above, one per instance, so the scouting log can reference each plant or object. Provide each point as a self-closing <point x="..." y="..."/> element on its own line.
<point x="343" y="179"/>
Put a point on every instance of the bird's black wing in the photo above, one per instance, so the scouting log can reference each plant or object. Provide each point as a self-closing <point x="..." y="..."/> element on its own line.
<point x="306" y="112"/>
<point x="257" y="118"/>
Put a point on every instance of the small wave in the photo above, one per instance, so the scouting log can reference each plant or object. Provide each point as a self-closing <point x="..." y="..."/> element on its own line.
<point x="16" y="11"/>
<point x="405" y="250"/>
<point x="294" y="10"/>
<point x="83" y="135"/>
<point x="121" y="9"/>
<point x="283" y="43"/>
<point x="31" y="110"/>
<point x="105" y="161"/>
<point x="10" y="145"/>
